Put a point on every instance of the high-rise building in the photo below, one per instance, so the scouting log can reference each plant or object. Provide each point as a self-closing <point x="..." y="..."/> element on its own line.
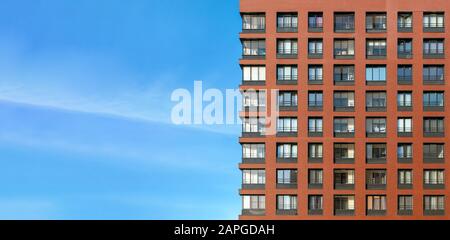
<point x="363" y="121"/>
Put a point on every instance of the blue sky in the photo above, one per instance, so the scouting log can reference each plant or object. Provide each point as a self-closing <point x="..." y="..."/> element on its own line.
<point x="85" y="128"/>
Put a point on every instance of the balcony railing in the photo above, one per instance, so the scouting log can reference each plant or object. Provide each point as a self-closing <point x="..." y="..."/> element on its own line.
<point x="344" y="27"/>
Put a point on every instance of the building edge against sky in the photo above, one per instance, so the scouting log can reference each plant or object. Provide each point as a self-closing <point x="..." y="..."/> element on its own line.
<point x="362" y="131"/>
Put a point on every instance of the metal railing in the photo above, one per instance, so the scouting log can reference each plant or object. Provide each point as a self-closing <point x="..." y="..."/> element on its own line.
<point x="433" y="103"/>
<point x="433" y="77"/>
<point x="404" y="25"/>
<point x="287" y="77"/>
<point x="292" y="51"/>
<point x="344" y="26"/>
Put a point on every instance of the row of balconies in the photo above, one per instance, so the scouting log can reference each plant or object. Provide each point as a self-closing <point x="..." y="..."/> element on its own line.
<point x="347" y="160"/>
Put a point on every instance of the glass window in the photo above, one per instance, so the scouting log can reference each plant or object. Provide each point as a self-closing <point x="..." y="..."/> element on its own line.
<point x="376" y="125"/>
<point x="287" y="20"/>
<point x="376" y="99"/>
<point x="433" y="99"/>
<point x="315" y="176"/>
<point x="405" y="202"/>
<point x="315" y="150"/>
<point x="253" y="21"/>
<point x="253" y="176"/>
<point x="287" y="124"/>
<point x="287" y="176"/>
<point x="287" y="150"/>
<point x="315" y="73"/>
<point x="377" y="202"/>
<point x="254" y="202"/>
<point x="254" y="73"/>
<point x="254" y="47"/>
<point x="286" y="202"/>
<point x="344" y="47"/>
<point x="315" y="124"/>
<point x="315" y="99"/>
<point x="376" y="73"/>
<point x="253" y="150"/>
<point x="287" y="46"/>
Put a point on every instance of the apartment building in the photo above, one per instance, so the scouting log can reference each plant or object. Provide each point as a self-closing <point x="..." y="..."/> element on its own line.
<point x="363" y="125"/>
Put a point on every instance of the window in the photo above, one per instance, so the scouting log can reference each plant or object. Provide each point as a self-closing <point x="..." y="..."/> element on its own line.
<point x="287" y="98"/>
<point x="433" y="20"/>
<point x="433" y="150"/>
<point x="254" y="202"/>
<point x="253" y="22"/>
<point x="433" y="177"/>
<point x="315" y="20"/>
<point x="433" y="203"/>
<point x="405" y="203"/>
<point x="404" y="150"/>
<point x="433" y="125"/>
<point x="286" y="202"/>
<point x="375" y="21"/>
<point x="315" y="176"/>
<point x="344" y="73"/>
<point x="433" y="46"/>
<point x="433" y="73"/>
<point x="344" y="125"/>
<point x="315" y="150"/>
<point x="315" y="99"/>
<point x="376" y="47"/>
<point x="315" y="46"/>
<point x="344" y="202"/>
<point x="404" y="47"/>
<point x="376" y="177"/>
<point x="287" y="150"/>
<point x="315" y="125"/>
<point x="404" y="73"/>
<point x="404" y="20"/>
<point x="404" y="125"/>
<point x="344" y="176"/>
<point x="287" y="73"/>
<point x="377" y="202"/>
<point x="344" y="99"/>
<point x="344" y="151"/>
<point x="253" y="176"/>
<point x="344" y="47"/>
<point x="287" y="124"/>
<point x="315" y="202"/>
<point x="315" y="73"/>
<point x="433" y="99"/>
<point x="253" y="150"/>
<point x="287" y="46"/>
<point x="254" y="47"/>
<point x="344" y="22"/>
<point x="376" y="73"/>
<point x="287" y="20"/>
<point x="287" y="176"/>
<point x="405" y="177"/>
<point x="404" y="99"/>
<point x="376" y="151"/>
<point x="254" y="99"/>
<point x="253" y="125"/>
<point x="376" y="125"/>
<point x="254" y="73"/>
<point x="376" y="99"/>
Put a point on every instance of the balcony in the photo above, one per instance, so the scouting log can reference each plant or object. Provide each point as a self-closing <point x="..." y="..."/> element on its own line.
<point x="315" y="27"/>
<point x="252" y="134"/>
<point x="404" y="79"/>
<point x="376" y="134"/>
<point x="376" y="160"/>
<point x="404" y="54"/>
<point x="344" y="82"/>
<point x="286" y="185"/>
<point x="376" y="212"/>
<point x="344" y="160"/>
<point x="433" y="79"/>
<point x="287" y="28"/>
<point x="433" y="185"/>
<point x="433" y="158"/>
<point x="379" y="108"/>
<point x="433" y="133"/>
<point x="404" y="186"/>
<point x="317" y="54"/>
<point x="289" y="212"/>
<point x="253" y="83"/>
<point x="405" y="107"/>
<point x="434" y="54"/>
<point x="253" y="212"/>
<point x="315" y="211"/>
<point x="253" y="160"/>
<point x="287" y="80"/>
<point x="404" y="27"/>
<point x="434" y="27"/>
<point x="315" y="186"/>
<point x="287" y="134"/>
<point x="287" y="159"/>
<point x="344" y="186"/>
<point x="405" y="212"/>
<point x="315" y="133"/>
<point x="287" y="54"/>
<point x="343" y="106"/>
<point x="434" y="212"/>
<point x="315" y="159"/>
<point x="432" y="106"/>
<point x="381" y="54"/>
<point x="405" y="160"/>
<point x="344" y="27"/>
<point x="376" y="186"/>
<point x="376" y="83"/>
<point x="344" y="134"/>
<point x="404" y="132"/>
<point x="344" y="212"/>
<point x="287" y="106"/>
<point x="315" y="106"/>
<point x="253" y="186"/>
